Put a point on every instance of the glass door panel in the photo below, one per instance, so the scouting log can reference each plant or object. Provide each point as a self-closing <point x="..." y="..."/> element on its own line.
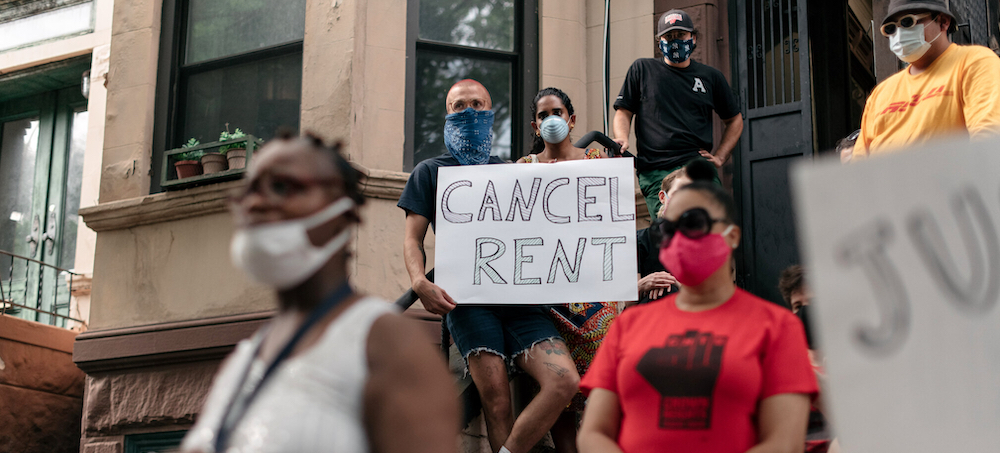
<point x="42" y="144"/>
<point x="18" y="151"/>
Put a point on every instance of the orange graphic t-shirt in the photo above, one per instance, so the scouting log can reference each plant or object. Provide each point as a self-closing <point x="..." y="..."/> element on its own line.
<point x="958" y="95"/>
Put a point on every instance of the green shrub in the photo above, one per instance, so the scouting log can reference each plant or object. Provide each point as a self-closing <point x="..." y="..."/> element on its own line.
<point x="190" y="155"/>
<point x="226" y="136"/>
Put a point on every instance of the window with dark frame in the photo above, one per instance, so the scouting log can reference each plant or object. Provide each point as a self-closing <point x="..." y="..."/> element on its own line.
<point x="492" y="41"/>
<point x="163" y="442"/>
<point x="227" y="64"/>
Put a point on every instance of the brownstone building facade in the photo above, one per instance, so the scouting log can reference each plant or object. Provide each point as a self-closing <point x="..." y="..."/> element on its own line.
<point x="168" y="305"/>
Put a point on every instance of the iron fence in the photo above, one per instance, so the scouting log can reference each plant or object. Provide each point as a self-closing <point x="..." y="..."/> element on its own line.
<point x="37" y="291"/>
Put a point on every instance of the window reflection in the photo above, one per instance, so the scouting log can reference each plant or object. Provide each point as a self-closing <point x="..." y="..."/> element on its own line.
<point x="487" y="24"/>
<point x="18" y="151"/>
<point x="257" y="97"/>
<point x="220" y="28"/>
<point x="436" y="73"/>
<point x="74" y="181"/>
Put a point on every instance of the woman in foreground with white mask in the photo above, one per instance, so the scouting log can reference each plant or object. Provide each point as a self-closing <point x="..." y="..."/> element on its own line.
<point x="334" y="370"/>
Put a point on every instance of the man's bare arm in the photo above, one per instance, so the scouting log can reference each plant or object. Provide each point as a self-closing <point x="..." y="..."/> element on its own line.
<point x="435" y="299"/>
<point x="730" y="137"/>
<point x="621" y="125"/>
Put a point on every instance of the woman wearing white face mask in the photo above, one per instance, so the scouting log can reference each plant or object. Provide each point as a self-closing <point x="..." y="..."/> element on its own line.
<point x="552" y="119"/>
<point x="582" y="325"/>
<point x="712" y="369"/>
<point x="334" y="370"/>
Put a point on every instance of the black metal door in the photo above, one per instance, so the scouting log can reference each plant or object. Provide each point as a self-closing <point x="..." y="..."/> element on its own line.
<point x="773" y="78"/>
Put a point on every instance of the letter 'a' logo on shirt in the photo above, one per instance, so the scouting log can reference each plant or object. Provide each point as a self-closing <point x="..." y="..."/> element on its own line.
<point x="699" y="85"/>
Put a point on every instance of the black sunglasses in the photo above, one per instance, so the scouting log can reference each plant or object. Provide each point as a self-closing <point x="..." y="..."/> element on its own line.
<point x="694" y="223"/>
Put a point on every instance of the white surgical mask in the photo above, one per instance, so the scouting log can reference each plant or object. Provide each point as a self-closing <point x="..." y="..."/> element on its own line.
<point x="280" y="255"/>
<point x="554" y="129"/>
<point x="909" y="44"/>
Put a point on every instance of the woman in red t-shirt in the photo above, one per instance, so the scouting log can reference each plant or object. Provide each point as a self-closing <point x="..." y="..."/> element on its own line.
<point x="709" y="369"/>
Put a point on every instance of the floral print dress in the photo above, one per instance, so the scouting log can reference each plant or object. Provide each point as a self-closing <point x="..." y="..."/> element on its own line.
<point x="582" y="325"/>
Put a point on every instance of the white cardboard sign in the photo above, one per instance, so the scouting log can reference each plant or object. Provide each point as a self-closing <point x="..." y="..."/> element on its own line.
<point x="903" y="253"/>
<point x="537" y="233"/>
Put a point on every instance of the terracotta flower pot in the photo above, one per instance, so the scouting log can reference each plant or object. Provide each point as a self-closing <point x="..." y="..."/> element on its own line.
<point x="237" y="158"/>
<point x="187" y="168"/>
<point x="213" y="163"/>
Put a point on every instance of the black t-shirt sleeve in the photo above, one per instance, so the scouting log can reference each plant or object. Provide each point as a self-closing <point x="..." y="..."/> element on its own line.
<point x="419" y="193"/>
<point x="630" y="96"/>
<point x="724" y="101"/>
<point x="642" y="243"/>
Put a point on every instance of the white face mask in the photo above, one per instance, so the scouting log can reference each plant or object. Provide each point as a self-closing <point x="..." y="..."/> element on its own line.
<point x="280" y="255"/>
<point x="553" y="129"/>
<point x="908" y="43"/>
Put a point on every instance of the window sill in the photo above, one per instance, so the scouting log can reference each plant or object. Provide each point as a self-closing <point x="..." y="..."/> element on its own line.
<point x="159" y="208"/>
<point x="210" y="199"/>
<point x="231" y="167"/>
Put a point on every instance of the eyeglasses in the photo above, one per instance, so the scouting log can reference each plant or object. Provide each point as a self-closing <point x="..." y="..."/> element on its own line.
<point x="462" y="104"/>
<point x="854" y="135"/>
<point x="907" y="21"/>
<point x="277" y="189"/>
<point x="694" y="223"/>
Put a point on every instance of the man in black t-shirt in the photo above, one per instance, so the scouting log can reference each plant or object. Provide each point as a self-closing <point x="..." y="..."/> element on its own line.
<point x="488" y="337"/>
<point x="672" y="100"/>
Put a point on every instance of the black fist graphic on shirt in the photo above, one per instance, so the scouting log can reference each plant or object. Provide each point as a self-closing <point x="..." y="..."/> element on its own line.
<point x="684" y="373"/>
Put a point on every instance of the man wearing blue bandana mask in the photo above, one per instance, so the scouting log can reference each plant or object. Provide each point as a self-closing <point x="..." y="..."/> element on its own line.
<point x="468" y="135"/>
<point x="489" y="337"/>
<point x="672" y="100"/>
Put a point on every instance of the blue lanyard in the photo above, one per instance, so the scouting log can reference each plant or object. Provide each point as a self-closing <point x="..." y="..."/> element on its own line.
<point x="243" y="397"/>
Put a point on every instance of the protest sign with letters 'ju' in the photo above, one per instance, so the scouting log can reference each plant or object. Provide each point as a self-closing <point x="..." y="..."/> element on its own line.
<point x="537" y="233"/>
<point x="903" y="254"/>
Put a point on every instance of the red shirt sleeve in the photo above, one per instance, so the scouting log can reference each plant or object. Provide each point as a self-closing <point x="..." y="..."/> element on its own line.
<point x="786" y="365"/>
<point x="603" y="372"/>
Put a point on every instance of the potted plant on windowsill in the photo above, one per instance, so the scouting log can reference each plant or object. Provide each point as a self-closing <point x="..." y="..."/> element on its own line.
<point x="213" y="162"/>
<point x="188" y="164"/>
<point x="235" y="153"/>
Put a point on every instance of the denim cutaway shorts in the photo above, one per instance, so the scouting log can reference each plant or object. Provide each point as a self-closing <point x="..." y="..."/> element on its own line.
<point x="505" y="330"/>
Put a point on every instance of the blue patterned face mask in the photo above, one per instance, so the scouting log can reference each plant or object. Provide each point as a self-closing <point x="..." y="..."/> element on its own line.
<point x="468" y="135"/>
<point x="676" y="50"/>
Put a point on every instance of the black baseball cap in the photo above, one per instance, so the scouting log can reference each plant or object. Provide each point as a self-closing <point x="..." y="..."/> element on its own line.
<point x="903" y="6"/>
<point x="674" y="19"/>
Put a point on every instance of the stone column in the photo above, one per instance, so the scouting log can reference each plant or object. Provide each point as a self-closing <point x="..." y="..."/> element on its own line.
<point x="131" y="83"/>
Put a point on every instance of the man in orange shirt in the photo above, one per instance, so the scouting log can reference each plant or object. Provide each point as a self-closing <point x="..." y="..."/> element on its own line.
<point x="947" y="90"/>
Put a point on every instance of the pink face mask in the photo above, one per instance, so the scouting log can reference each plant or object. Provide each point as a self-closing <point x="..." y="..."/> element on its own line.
<point x="692" y="261"/>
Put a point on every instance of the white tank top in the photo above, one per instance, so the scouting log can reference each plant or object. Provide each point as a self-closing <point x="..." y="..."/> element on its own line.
<point x="313" y="402"/>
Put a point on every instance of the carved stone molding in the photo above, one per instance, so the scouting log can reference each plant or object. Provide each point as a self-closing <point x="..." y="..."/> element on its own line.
<point x="158" y="208"/>
<point x="160" y="344"/>
<point x="384" y="184"/>
<point x="81" y="285"/>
